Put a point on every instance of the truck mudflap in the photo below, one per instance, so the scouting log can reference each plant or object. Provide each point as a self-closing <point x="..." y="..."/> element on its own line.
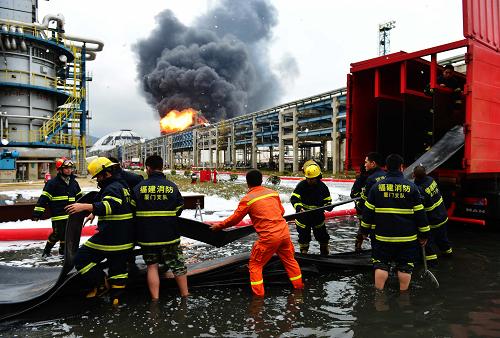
<point x="441" y="151"/>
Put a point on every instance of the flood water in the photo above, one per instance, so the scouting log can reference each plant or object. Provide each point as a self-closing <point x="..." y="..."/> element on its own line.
<point x="338" y="304"/>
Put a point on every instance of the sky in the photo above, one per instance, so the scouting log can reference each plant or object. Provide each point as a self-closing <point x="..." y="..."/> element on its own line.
<point x="323" y="36"/>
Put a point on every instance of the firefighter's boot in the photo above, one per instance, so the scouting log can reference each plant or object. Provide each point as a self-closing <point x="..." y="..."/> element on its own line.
<point x="47" y="249"/>
<point x="61" y="248"/>
<point x="324" y="249"/>
<point x="304" y="248"/>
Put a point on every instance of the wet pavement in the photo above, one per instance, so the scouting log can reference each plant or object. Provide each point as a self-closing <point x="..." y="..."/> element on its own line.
<point x="337" y="304"/>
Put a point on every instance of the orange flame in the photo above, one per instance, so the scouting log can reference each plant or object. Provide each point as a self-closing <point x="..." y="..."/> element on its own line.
<point x="177" y="120"/>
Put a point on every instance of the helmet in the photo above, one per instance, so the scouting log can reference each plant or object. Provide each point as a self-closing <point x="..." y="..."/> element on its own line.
<point x="307" y="164"/>
<point x="63" y="162"/>
<point x="312" y="171"/>
<point x="99" y="164"/>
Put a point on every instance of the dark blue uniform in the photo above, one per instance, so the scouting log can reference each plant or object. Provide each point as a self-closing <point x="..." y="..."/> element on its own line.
<point x="115" y="237"/>
<point x="356" y="190"/>
<point x="437" y="216"/>
<point x="374" y="175"/>
<point x="57" y="194"/>
<point x="311" y="196"/>
<point x="396" y="216"/>
<point x="158" y="203"/>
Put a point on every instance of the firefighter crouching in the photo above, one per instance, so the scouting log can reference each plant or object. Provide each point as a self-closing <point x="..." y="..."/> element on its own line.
<point x="114" y="239"/>
<point x="311" y="193"/>
<point x="395" y="214"/>
<point x="266" y="212"/>
<point x="436" y="214"/>
<point x="57" y="193"/>
<point x="159" y="202"/>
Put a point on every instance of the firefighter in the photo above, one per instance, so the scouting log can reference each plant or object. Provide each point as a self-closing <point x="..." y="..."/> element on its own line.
<point x="57" y="193"/>
<point x="131" y="179"/>
<point x="375" y="173"/>
<point x="395" y="214"/>
<point x="311" y="193"/>
<point x="436" y="215"/>
<point x="159" y="202"/>
<point x="266" y="212"/>
<point x="356" y="189"/>
<point x="114" y="240"/>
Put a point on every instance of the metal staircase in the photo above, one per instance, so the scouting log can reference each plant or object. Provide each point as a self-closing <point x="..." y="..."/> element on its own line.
<point x="63" y="126"/>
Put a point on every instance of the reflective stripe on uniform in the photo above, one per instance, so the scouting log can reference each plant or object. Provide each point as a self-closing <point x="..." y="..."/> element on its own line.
<point x="58" y="218"/>
<point x="116" y="217"/>
<point x="60" y="198"/>
<point x="297" y="223"/>
<point x="123" y="275"/>
<point x="418" y="207"/>
<point x="295" y="278"/>
<point x="433" y="226"/>
<point x="257" y="283"/>
<point x="47" y="194"/>
<point x="296" y="195"/>
<point x="159" y="243"/>
<point x="435" y="205"/>
<point x="103" y="247"/>
<point x="302" y="225"/>
<point x="431" y="257"/>
<point x="39" y="209"/>
<point x="155" y="213"/>
<point x="424" y="229"/>
<point x="393" y="211"/>
<point x="107" y="206"/>
<point x="369" y="205"/>
<point x="297" y="204"/>
<point x="366" y="225"/>
<point x="71" y="199"/>
<point x="327" y="198"/>
<point x="449" y="251"/>
<point x="113" y="198"/>
<point x="396" y="239"/>
<point x="132" y="202"/>
<point x="253" y="200"/>
<point x="86" y="268"/>
<point x="113" y="286"/>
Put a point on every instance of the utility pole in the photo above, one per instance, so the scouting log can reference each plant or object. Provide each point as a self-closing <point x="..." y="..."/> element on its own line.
<point x="384" y="37"/>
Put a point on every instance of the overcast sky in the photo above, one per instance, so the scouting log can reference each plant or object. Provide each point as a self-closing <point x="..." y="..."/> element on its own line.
<point x="323" y="36"/>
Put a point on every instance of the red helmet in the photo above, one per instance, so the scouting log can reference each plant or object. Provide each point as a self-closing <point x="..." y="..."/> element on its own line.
<point x="63" y="162"/>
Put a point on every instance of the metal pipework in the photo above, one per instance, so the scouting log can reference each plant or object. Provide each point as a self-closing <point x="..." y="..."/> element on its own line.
<point x="95" y="45"/>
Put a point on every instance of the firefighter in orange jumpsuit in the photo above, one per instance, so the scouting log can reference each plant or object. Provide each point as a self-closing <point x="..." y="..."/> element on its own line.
<point x="266" y="212"/>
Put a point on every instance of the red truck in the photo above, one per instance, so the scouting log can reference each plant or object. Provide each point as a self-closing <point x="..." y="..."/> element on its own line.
<point x="395" y="105"/>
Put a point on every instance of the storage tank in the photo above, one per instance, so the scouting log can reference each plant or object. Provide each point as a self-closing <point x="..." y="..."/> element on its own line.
<point x="42" y="97"/>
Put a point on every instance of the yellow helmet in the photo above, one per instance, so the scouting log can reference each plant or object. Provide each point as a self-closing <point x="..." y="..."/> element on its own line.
<point x="307" y="164"/>
<point x="98" y="164"/>
<point x="312" y="171"/>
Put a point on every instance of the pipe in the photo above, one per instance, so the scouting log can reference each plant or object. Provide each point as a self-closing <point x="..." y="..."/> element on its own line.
<point x="59" y="18"/>
<point x="27" y="117"/>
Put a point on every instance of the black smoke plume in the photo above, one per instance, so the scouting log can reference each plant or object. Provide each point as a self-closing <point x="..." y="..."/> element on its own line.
<point x="220" y="65"/>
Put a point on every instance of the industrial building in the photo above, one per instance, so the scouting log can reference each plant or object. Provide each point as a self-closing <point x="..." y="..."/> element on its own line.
<point x="280" y="138"/>
<point x="43" y="111"/>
